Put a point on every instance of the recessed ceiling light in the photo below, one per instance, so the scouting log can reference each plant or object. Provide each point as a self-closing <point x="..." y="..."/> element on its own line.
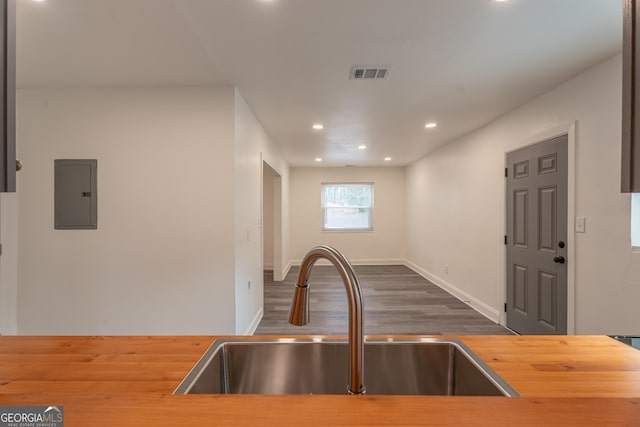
<point x="38" y="1"/>
<point x="362" y="147"/>
<point x="318" y="159"/>
<point x="387" y="159"/>
<point x="430" y="125"/>
<point x="318" y="126"/>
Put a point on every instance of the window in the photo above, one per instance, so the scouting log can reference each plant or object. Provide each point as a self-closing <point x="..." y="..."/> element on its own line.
<point x="347" y="206"/>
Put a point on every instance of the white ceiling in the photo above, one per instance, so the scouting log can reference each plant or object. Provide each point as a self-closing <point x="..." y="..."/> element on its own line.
<point x="461" y="63"/>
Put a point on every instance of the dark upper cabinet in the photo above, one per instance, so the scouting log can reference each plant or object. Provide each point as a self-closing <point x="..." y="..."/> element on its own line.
<point x="630" y="99"/>
<point x="8" y="95"/>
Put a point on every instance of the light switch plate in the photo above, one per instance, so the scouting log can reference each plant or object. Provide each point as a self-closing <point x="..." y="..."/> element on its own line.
<point x="580" y="224"/>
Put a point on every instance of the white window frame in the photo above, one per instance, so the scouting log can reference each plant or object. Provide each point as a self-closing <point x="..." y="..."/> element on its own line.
<point x="635" y="222"/>
<point x="347" y="184"/>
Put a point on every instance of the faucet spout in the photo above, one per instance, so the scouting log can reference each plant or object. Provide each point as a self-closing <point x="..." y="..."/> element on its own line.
<point x="300" y="308"/>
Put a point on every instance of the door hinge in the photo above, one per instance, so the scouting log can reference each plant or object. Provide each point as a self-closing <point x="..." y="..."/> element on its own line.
<point x="505" y="307"/>
<point x="505" y="239"/>
<point x="506" y="172"/>
<point x="0" y="249"/>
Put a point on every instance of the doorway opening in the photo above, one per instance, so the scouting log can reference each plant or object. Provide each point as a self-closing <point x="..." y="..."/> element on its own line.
<point x="271" y="223"/>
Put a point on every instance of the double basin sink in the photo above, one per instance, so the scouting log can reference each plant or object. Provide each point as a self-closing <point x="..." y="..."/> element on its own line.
<point x="393" y="366"/>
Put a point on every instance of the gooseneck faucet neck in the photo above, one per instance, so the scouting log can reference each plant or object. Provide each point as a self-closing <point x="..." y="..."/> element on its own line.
<point x="300" y="308"/>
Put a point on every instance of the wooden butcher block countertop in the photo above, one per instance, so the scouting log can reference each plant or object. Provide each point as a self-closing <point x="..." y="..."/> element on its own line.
<point x="128" y="381"/>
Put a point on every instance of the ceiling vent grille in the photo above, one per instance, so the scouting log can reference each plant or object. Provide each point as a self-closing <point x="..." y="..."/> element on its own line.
<point x="360" y="72"/>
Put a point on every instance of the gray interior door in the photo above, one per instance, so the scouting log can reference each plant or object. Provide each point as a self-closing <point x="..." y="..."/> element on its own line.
<point x="537" y="238"/>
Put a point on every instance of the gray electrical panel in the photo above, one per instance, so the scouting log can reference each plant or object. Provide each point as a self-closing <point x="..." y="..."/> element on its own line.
<point x="76" y="194"/>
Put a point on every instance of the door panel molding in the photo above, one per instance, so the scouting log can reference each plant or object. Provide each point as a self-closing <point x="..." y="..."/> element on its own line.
<point x="547" y="232"/>
<point x="520" y="297"/>
<point x="521" y="205"/>
<point x="521" y="170"/>
<point x="547" y="285"/>
<point x="547" y="164"/>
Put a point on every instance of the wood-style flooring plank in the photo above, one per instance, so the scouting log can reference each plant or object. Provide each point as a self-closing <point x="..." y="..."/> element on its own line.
<point x="397" y="301"/>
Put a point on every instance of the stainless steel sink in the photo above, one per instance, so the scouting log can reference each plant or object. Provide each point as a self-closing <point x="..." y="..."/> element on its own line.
<point x="420" y="366"/>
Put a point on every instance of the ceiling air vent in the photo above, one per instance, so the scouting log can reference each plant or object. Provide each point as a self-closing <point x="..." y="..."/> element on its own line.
<point x="359" y="72"/>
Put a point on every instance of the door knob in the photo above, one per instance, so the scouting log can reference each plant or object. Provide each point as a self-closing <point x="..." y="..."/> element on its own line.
<point x="559" y="260"/>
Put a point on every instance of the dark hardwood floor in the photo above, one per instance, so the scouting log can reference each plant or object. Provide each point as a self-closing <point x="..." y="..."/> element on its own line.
<point x="397" y="301"/>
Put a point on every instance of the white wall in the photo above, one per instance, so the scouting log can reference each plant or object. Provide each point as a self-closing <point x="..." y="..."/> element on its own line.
<point x="161" y="260"/>
<point x="455" y="204"/>
<point x="383" y="245"/>
<point x="252" y="147"/>
<point x="9" y="264"/>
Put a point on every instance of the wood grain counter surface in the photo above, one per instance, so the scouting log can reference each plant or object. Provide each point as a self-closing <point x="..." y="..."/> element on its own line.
<point x="128" y="381"/>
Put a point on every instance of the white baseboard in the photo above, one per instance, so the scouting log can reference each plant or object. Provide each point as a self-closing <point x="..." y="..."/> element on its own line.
<point x="267" y="267"/>
<point x="382" y="261"/>
<point x="255" y="322"/>
<point x="479" y="306"/>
